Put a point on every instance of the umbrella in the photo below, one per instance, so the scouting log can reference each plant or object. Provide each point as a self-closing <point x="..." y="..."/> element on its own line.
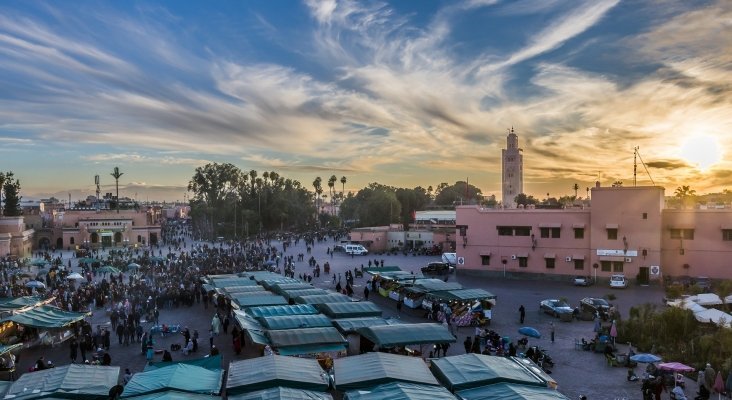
<point x="87" y="260"/>
<point x="38" y="262"/>
<point x="108" y="268"/>
<point x="645" y="358"/>
<point x="675" y="367"/>
<point x="269" y="263"/>
<point x="613" y="331"/>
<point x="529" y="331"/>
<point x="35" y="284"/>
<point x="719" y="384"/>
<point x="133" y="266"/>
<point x="75" y="276"/>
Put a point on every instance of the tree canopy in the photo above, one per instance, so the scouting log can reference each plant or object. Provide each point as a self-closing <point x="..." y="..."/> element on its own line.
<point x="11" y="195"/>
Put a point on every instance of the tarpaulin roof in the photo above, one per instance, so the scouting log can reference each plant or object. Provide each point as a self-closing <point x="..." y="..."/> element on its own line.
<point x="175" y="395"/>
<point x="348" y="325"/>
<point x="400" y="391"/>
<point x="307" y="340"/>
<point x="4" y="386"/>
<point x="46" y="317"/>
<point x="282" y="393"/>
<point x="4" y="349"/>
<point x="271" y="311"/>
<point x="405" y="334"/>
<point x="256" y="301"/>
<point x="433" y="285"/>
<point x="258" y="337"/>
<point x="377" y="270"/>
<point x="714" y="316"/>
<point x="323" y="298"/>
<point x="208" y="287"/>
<point x="181" y="377"/>
<point x="231" y="282"/>
<point x="232" y="290"/>
<point x="296" y="321"/>
<point x="11" y="304"/>
<point x="509" y="391"/>
<point x="211" y="363"/>
<point x="397" y="275"/>
<point x="273" y="371"/>
<point x="371" y="369"/>
<point x="247" y="322"/>
<point x="463" y="294"/>
<point x="473" y="370"/>
<point x="280" y="288"/>
<point x="350" y="309"/>
<point x="292" y="293"/>
<point x="75" y="381"/>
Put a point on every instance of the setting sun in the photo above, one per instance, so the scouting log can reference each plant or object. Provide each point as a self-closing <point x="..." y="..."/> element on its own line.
<point x="701" y="151"/>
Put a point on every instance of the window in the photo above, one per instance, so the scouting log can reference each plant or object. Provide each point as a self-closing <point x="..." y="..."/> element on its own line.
<point x="579" y="233"/>
<point x="523" y="262"/>
<point x="579" y="264"/>
<point x="485" y="260"/>
<point x="550" y="262"/>
<point x="550" y="232"/>
<point x="514" y="230"/>
<point x="71" y="240"/>
<point x="605" y="266"/>
<point x="682" y="234"/>
<point x="544" y="232"/>
<point x="505" y="231"/>
<point x="645" y="215"/>
<point x="727" y="235"/>
<point x="522" y="231"/>
<point x="617" y="266"/>
<point x="612" y="234"/>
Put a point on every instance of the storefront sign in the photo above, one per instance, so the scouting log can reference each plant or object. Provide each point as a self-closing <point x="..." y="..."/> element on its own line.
<point x="617" y="253"/>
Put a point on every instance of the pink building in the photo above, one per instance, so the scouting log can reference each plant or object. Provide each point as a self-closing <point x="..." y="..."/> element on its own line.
<point x="16" y="239"/>
<point x="626" y="230"/>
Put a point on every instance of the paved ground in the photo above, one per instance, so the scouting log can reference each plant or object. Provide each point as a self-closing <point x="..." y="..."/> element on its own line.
<point x="577" y="372"/>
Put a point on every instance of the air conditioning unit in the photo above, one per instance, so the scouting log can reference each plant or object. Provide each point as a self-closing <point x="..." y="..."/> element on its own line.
<point x="513" y="256"/>
<point x="628" y="259"/>
<point x="568" y="259"/>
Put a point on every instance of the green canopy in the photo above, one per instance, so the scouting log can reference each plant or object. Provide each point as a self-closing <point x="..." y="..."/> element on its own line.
<point x="350" y="309"/>
<point x="405" y="334"/>
<point x="282" y="393"/>
<point x="212" y="363"/>
<point x="281" y="288"/>
<point x="175" y="395"/>
<point x="296" y="321"/>
<point x="262" y="300"/>
<point x="292" y="293"/>
<point x="233" y="290"/>
<point x="397" y="275"/>
<point x="74" y="381"/>
<point x="273" y="371"/>
<point x="46" y="317"/>
<point x="6" y="349"/>
<point x="464" y="295"/>
<point x="400" y="391"/>
<point x="473" y="370"/>
<point x="323" y="298"/>
<point x="208" y="287"/>
<point x="378" y="270"/>
<point x="258" y="337"/>
<point x="371" y="369"/>
<point x="350" y="325"/>
<point x="232" y="282"/>
<point x="39" y="262"/>
<point x="271" y="311"/>
<point x="181" y="377"/>
<point x="432" y="285"/>
<point x="510" y="391"/>
<point x="247" y="322"/>
<point x="108" y="269"/>
<point x="307" y="340"/>
<point x="12" y="304"/>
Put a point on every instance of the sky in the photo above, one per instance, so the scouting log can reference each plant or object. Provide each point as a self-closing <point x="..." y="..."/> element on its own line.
<point x="404" y="93"/>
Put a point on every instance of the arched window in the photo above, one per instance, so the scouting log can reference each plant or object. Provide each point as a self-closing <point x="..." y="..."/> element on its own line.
<point x="59" y="243"/>
<point x="71" y="240"/>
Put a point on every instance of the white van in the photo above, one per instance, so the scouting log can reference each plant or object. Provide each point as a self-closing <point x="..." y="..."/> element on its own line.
<point x="356" y="249"/>
<point x="618" y="281"/>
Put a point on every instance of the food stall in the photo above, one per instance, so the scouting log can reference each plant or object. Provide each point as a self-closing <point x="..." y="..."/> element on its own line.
<point x="465" y="307"/>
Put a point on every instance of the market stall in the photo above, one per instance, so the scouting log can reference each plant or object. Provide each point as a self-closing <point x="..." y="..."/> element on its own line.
<point x="46" y="325"/>
<point x="296" y="321"/>
<point x="292" y="293"/>
<point x="282" y="393"/>
<point x="243" y="301"/>
<point x="372" y="369"/>
<point x="400" y="390"/>
<point x="281" y="288"/>
<point x="272" y="311"/>
<point x="510" y="391"/>
<point x="323" y="298"/>
<point x="464" y="307"/>
<point x="398" y="336"/>
<point x="74" y="381"/>
<point x="180" y="377"/>
<point x="308" y="341"/>
<point x="471" y="370"/>
<point x="414" y="292"/>
<point x="353" y="309"/>
<point x="275" y="371"/>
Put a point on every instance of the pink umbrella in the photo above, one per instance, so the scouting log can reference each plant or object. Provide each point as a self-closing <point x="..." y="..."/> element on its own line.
<point x="719" y="384"/>
<point x="613" y="331"/>
<point x="675" y="367"/>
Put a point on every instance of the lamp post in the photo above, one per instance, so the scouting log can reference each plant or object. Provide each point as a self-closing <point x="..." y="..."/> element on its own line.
<point x="116" y="175"/>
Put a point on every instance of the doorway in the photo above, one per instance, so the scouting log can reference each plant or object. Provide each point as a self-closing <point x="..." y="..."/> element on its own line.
<point x="643" y="276"/>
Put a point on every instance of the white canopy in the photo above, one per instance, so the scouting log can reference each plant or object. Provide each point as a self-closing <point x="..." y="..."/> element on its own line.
<point x="706" y="299"/>
<point x="714" y="316"/>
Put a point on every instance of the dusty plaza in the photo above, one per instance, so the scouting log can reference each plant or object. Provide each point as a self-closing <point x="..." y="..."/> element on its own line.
<point x="576" y="372"/>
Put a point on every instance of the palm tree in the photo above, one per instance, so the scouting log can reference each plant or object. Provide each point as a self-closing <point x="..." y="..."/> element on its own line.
<point x="684" y="193"/>
<point x="331" y="185"/>
<point x="576" y="188"/>
<point x="116" y="175"/>
<point x="343" y="187"/>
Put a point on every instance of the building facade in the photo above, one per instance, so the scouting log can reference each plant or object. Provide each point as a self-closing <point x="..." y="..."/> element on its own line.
<point x="626" y="230"/>
<point x="16" y="239"/>
<point x="512" y="170"/>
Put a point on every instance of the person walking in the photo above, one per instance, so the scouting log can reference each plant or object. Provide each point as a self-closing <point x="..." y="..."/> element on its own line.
<point x="551" y="330"/>
<point x="468" y="344"/>
<point x="522" y="313"/>
<point x="73" y="347"/>
<point x="366" y="292"/>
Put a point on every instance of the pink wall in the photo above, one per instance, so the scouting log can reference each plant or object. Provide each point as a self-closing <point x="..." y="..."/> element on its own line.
<point x="707" y="254"/>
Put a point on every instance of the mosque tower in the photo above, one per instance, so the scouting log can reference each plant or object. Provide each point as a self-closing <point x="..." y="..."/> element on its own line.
<point x="512" y="170"/>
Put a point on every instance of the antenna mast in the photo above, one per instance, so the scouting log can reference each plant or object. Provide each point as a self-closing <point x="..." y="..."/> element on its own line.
<point x="635" y="166"/>
<point x="637" y="153"/>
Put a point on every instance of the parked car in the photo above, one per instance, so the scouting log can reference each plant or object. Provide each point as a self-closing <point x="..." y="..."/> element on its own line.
<point x="618" y="281"/>
<point x="437" y="268"/>
<point x="582" y="281"/>
<point x="555" y="307"/>
<point x="704" y="283"/>
<point x="595" y="305"/>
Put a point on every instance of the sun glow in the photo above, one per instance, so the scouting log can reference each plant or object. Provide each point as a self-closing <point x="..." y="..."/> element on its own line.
<point x="701" y="151"/>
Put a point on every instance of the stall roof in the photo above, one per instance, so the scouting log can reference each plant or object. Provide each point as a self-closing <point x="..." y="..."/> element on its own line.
<point x="74" y="381"/>
<point x="349" y="325"/>
<point x="175" y="395"/>
<point x="46" y="317"/>
<point x="378" y="270"/>
<point x="296" y="321"/>
<point x="433" y="285"/>
<point x="181" y="377"/>
<point x="400" y="391"/>
<point x="473" y="370"/>
<point x="6" y="349"/>
<point x="257" y="301"/>
<point x="292" y="293"/>
<point x="282" y="393"/>
<point x="274" y="371"/>
<point x="247" y="322"/>
<point x="350" y="309"/>
<point x="212" y="363"/>
<point x="323" y="298"/>
<point x="4" y="386"/>
<point x="405" y="334"/>
<point x="271" y="311"/>
<point x="464" y="294"/>
<point x="371" y="369"/>
<point x="307" y="340"/>
<point x="233" y="290"/>
<point x="231" y="282"/>
<point x="258" y="337"/>
<point x="15" y="303"/>
<point x="280" y="288"/>
<point x="398" y="275"/>
<point x="509" y="391"/>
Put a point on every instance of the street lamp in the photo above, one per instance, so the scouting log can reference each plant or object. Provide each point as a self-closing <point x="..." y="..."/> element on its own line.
<point x="116" y="175"/>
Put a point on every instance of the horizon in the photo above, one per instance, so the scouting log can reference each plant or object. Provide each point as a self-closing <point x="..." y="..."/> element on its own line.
<point x="402" y="93"/>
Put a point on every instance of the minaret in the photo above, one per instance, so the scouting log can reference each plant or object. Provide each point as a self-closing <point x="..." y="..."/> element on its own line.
<point x="512" y="170"/>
